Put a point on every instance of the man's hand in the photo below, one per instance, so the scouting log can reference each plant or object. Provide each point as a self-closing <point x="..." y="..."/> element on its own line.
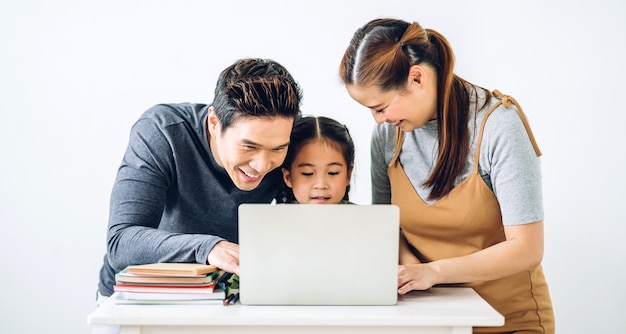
<point x="225" y="255"/>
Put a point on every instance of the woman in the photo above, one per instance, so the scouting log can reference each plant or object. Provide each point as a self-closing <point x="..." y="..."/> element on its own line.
<point x="463" y="167"/>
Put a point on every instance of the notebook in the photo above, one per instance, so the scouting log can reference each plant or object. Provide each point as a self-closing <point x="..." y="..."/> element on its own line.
<point x="328" y="254"/>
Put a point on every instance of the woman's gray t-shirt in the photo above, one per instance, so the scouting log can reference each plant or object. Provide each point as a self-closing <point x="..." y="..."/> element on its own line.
<point x="507" y="163"/>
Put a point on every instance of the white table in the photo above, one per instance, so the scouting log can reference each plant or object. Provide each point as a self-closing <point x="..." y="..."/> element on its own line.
<point x="439" y="310"/>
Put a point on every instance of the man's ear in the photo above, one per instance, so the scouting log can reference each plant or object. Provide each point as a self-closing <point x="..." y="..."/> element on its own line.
<point x="287" y="177"/>
<point x="212" y="122"/>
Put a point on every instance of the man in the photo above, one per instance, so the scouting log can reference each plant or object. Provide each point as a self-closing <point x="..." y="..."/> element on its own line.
<point x="189" y="166"/>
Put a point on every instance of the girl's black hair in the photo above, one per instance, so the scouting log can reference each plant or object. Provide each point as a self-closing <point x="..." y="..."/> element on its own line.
<point x="308" y="129"/>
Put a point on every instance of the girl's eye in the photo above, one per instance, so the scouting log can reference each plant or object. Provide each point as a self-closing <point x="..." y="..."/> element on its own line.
<point x="333" y="173"/>
<point x="307" y="174"/>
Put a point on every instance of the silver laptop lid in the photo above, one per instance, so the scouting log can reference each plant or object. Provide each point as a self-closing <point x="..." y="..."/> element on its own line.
<point x="327" y="254"/>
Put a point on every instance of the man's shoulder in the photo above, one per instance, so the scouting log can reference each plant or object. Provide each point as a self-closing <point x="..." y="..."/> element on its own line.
<point x="166" y="114"/>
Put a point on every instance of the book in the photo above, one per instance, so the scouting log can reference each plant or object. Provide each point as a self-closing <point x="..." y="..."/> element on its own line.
<point x="171" y="285"/>
<point x="122" y="298"/>
<point x="173" y="269"/>
<point x="121" y="287"/>
<point x="217" y="294"/>
<point x="125" y="276"/>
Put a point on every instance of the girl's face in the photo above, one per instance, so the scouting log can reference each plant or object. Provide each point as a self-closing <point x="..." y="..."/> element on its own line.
<point x="409" y="109"/>
<point x="319" y="174"/>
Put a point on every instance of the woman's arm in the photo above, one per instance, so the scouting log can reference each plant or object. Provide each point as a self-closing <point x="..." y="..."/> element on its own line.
<point x="379" y="145"/>
<point x="522" y="250"/>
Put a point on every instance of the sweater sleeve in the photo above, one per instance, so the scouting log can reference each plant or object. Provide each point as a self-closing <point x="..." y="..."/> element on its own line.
<point x="137" y="202"/>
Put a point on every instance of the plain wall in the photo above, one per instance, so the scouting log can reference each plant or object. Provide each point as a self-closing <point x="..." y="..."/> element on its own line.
<point x="75" y="75"/>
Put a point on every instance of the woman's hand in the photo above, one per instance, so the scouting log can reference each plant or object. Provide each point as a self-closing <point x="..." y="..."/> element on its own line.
<point x="415" y="277"/>
<point x="225" y="255"/>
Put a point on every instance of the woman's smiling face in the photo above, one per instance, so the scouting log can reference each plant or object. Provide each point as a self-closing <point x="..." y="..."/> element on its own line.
<point x="408" y="109"/>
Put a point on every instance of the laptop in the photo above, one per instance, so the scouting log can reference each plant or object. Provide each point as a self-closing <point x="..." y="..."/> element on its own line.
<point x="327" y="254"/>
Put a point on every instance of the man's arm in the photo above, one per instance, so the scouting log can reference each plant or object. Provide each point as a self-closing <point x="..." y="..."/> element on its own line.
<point x="137" y="202"/>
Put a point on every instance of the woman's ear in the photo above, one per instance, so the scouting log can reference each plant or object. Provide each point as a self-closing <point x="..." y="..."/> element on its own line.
<point x="417" y="75"/>
<point x="287" y="177"/>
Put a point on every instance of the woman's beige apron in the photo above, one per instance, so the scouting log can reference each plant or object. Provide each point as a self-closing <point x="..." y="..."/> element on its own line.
<point x="468" y="220"/>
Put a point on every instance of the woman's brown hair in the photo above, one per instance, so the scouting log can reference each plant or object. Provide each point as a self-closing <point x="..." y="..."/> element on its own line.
<point x="381" y="54"/>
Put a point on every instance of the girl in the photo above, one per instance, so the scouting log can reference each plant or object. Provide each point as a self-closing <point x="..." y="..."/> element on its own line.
<point x="463" y="167"/>
<point x="319" y="162"/>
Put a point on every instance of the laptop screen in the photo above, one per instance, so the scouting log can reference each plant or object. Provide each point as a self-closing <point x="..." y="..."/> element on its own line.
<point x="331" y="254"/>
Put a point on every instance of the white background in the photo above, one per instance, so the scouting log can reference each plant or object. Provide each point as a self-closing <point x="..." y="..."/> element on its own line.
<point x="75" y="75"/>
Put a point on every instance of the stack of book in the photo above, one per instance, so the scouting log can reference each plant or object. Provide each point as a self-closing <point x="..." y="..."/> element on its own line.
<point x="170" y="283"/>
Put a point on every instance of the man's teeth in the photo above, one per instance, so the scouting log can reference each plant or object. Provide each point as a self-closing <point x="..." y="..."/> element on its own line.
<point x="249" y="174"/>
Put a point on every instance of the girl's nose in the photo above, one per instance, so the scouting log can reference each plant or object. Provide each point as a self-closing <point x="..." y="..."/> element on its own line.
<point x="321" y="183"/>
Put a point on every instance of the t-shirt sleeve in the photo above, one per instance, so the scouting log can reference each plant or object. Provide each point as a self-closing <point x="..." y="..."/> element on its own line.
<point x="381" y="189"/>
<point x="513" y="167"/>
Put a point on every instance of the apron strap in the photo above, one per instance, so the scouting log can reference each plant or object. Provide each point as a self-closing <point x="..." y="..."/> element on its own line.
<point x="506" y="101"/>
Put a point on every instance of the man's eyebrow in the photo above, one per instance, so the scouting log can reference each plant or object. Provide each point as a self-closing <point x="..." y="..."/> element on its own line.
<point x="252" y="143"/>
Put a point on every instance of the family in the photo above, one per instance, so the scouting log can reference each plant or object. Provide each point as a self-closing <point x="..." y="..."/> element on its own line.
<point x="459" y="160"/>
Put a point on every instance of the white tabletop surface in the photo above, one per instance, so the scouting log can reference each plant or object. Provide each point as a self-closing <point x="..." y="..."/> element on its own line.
<point x="437" y="307"/>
